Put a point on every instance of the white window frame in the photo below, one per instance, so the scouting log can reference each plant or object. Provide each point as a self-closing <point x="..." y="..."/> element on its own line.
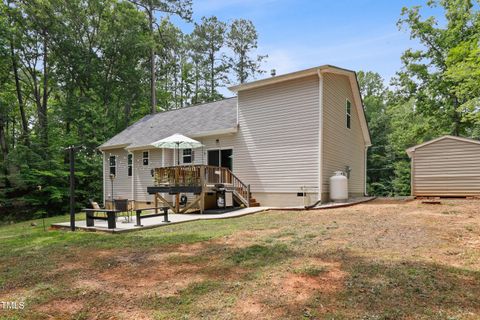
<point x="114" y="165"/>
<point x="348" y="114"/>
<point x="146" y="158"/>
<point x="130" y="164"/>
<point x="187" y="155"/>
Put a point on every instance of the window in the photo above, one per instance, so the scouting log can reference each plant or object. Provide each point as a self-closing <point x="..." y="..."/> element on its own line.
<point x="349" y="114"/>
<point x="113" y="165"/>
<point x="145" y="158"/>
<point x="130" y="158"/>
<point x="187" y="156"/>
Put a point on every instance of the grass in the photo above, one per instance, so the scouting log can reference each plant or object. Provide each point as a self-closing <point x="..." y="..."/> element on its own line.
<point x="260" y="255"/>
<point x="372" y="261"/>
<point x="311" y="271"/>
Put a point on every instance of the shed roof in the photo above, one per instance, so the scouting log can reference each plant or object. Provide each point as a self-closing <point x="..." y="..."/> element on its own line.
<point x="194" y="121"/>
<point x="411" y="150"/>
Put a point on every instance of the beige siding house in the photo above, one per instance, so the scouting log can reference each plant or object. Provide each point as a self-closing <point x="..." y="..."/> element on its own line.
<point x="448" y="166"/>
<point x="284" y="136"/>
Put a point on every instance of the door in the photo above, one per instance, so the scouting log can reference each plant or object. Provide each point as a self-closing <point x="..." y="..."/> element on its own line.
<point x="223" y="157"/>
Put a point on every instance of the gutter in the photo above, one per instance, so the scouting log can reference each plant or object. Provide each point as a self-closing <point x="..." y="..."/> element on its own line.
<point x="103" y="177"/>
<point x="365" y="173"/>
<point x="115" y="146"/>
<point x="320" y="135"/>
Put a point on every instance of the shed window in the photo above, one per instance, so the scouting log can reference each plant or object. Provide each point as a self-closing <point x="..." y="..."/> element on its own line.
<point x="113" y="164"/>
<point x="187" y="156"/>
<point x="130" y="157"/>
<point x="145" y="158"/>
<point x="348" y="112"/>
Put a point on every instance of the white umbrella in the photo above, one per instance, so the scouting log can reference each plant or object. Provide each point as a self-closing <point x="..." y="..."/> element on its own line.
<point x="177" y="141"/>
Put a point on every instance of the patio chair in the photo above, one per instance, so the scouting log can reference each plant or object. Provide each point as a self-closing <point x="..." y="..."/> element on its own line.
<point x="122" y="206"/>
<point x="95" y="205"/>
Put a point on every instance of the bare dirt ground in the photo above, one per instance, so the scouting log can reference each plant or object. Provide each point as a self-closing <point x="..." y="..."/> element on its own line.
<point x="378" y="260"/>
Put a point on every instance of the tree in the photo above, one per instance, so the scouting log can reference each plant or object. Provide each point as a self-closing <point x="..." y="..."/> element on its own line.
<point x="463" y="70"/>
<point x="242" y="40"/>
<point x="10" y="35"/>
<point x="424" y="74"/>
<point x="181" y="8"/>
<point x="209" y="37"/>
<point x="379" y="158"/>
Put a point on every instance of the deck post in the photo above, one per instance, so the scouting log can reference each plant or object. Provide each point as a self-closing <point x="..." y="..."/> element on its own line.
<point x="177" y="196"/>
<point x="155" y="197"/>
<point x="202" y="184"/>
<point x="248" y="195"/>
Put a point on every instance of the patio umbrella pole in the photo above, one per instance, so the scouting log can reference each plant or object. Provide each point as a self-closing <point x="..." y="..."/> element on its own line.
<point x="178" y="153"/>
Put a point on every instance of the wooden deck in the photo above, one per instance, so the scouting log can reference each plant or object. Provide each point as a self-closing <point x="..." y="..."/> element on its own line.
<point x="198" y="180"/>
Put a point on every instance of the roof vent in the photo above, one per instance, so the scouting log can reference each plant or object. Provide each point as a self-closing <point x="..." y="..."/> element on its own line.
<point x="273" y="72"/>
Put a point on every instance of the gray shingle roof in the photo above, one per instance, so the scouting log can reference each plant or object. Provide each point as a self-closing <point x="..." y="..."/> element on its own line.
<point x="213" y="116"/>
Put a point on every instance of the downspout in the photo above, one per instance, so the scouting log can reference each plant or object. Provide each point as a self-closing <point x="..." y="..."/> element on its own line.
<point x="133" y="176"/>
<point x="103" y="177"/>
<point x="365" y="192"/>
<point x="320" y="139"/>
<point x="320" y="134"/>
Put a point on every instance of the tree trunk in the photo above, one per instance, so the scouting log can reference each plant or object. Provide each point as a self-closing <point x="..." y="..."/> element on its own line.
<point x="457" y="119"/>
<point x="3" y="138"/>
<point x="4" y="149"/>
<point x="212" y="75"/>
<point x="18" y="88"/>
<point x="242" y="77"/>
<point x="42" y="114"/>
<point x="153" y="99"/>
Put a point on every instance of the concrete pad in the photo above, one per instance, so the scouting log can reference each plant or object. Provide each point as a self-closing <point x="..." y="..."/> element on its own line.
<point x="122" y="226"/>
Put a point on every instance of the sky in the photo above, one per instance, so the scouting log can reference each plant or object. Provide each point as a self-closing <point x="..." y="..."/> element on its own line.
<point x="299" y="34"/>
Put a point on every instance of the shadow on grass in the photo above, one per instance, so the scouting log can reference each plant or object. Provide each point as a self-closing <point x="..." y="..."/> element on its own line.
<point x="378" y="289"/>
<point x="260" y="255"/>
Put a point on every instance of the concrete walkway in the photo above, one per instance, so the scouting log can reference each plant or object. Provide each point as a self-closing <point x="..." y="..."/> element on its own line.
<point x="101" y="225"/>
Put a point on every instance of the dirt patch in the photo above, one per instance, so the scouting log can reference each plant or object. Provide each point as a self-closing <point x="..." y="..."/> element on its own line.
<point x="250" y="307"/>
<point x="60" y="307"/>
<point x="301" y="287"/>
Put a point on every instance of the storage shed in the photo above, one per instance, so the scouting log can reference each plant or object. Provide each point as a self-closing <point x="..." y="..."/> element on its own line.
<point x="447" y="166"/>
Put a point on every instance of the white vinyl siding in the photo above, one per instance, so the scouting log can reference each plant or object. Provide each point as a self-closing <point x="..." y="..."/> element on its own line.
<point x="226" y="141"/>
<point x="276" y="147"/>
<point x="341" y="146"/>
<point x="142" y="173"/>
<point x="447" y="167"/>
<point x="122" y="182"/>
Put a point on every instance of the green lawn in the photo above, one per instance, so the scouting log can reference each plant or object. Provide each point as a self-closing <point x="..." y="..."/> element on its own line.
<point x="371" y="261"/>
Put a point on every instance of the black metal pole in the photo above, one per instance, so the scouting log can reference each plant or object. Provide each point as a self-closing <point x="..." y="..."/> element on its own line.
<point x="178" y="153"/>
<point x="71" y="151"/>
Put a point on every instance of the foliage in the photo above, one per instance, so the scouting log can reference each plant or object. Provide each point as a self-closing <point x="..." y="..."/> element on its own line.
<point x="435" y="93"/>
<point x="242" y="39"/>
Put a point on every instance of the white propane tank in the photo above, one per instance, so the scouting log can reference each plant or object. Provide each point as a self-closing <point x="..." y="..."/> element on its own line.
<point x="338" y="187"/>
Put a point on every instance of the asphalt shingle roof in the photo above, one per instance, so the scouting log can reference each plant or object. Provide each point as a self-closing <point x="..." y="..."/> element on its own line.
<point x="191" y="120"/>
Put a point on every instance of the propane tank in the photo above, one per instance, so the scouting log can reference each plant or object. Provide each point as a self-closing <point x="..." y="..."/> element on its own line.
<point x="338" y="187"/>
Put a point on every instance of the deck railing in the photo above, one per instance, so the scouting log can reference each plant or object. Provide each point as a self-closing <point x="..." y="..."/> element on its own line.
<point x="199" y="175"/>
